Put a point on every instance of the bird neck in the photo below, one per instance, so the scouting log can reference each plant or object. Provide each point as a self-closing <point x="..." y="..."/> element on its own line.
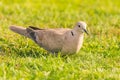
<point x="77" y="32"/>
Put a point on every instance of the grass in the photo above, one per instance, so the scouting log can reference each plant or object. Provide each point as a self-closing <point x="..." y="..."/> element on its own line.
<point x="99" y="58"/>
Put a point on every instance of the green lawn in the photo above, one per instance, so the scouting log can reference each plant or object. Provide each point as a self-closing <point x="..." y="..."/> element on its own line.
<point x="98" y="59"/>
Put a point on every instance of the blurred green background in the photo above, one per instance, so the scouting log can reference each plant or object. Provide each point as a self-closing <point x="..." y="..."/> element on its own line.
<point x="99" y="58"/>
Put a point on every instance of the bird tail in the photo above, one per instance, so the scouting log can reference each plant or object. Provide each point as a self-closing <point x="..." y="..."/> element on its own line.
<point x="20" y="30"/>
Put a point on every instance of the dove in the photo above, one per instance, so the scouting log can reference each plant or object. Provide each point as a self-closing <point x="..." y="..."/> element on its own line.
<point x="64" y="40"/>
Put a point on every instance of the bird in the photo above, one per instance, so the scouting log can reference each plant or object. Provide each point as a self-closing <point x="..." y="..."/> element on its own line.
<point x="64" y="40"/>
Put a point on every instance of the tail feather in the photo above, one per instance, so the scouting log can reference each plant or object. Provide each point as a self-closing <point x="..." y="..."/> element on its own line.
<point x="19" y="30"/>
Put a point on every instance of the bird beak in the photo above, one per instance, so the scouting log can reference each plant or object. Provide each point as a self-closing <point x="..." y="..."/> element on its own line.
<point x="86" y="31"/>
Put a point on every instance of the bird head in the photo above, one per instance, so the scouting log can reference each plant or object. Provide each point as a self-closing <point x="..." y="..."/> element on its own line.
<point x="81" y="27"/>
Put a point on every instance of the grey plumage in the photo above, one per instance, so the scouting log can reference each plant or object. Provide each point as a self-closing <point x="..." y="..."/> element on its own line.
<point x="68" y="41"/>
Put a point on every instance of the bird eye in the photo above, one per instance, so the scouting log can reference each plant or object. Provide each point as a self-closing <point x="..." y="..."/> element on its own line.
<point x="78" y="25"/>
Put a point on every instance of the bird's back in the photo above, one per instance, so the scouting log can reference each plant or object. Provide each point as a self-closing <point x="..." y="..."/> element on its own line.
<point x="51" y="39"/>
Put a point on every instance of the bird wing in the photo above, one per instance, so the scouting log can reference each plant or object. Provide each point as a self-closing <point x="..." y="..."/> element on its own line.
<point x="50" y="39"/>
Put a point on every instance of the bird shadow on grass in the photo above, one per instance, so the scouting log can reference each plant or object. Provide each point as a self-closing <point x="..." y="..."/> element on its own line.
<point x="7" y="48"/>
<point x="38" y="54"/>
<point x="20" y="48"/>
<point x="30" y="53"/>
